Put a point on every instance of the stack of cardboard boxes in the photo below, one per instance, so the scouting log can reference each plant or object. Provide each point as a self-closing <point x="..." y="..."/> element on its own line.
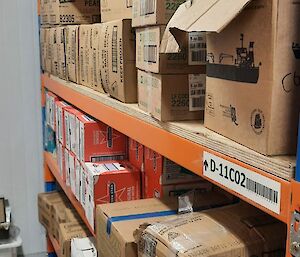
<point x="252" y="71"/>
<point x="170" y="86"/>
<point x="60" y="220"/>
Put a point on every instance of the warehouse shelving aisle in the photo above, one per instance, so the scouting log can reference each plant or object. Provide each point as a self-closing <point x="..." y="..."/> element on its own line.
<point x="202" y="151"/>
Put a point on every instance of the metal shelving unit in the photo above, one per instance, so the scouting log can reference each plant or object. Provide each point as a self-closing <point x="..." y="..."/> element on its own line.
<point x="281" y="199"/>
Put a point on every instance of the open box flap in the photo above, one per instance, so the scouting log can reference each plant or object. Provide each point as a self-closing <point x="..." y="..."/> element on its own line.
<point x="199" y="15"/>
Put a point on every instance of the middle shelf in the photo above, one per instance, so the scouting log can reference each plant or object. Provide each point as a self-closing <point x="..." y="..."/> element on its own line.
<point x="268" y="178"/>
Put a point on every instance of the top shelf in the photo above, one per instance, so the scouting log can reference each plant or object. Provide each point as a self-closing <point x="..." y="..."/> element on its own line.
<point x="183" y="142"/>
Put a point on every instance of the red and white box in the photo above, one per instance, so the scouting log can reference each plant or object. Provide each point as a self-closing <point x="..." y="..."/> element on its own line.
<point x="99" y="142"/>
<point x="136" y="153"/>
<point x="160" y="171"/>
<point x="109" y="182"/>
<point x="71" y="129"/>
<point x="60" y="156"/>
<point x="60" y="107"/>
<point x="50" y="109"/>
<point x="77" y="179"/>
<point x="69" y="166"/>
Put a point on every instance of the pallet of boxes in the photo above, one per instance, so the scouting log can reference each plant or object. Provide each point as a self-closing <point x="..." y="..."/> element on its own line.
<point x="61" y="221"/>
<point x="170" y="86"/>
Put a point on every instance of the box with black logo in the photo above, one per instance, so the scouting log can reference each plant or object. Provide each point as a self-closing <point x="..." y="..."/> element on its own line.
<point x="118" y="71"/>
<point x="253" y="70"/>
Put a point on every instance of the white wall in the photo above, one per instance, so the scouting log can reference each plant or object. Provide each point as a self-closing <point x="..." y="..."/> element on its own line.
<point x="21" y="175"/>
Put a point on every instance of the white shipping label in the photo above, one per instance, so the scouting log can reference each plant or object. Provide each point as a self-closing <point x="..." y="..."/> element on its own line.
<point x="197" y="85"/>
<point x="260" y="189"/>
<point x="197" y="48"/>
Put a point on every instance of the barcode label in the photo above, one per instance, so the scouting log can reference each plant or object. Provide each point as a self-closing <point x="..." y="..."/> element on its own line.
<point x="147" y="7"/>
<point x="150" y="53"/>
<point x="107" y="158"/>
<point x="253" y="186"/>
<point x="197" y="85"/>
<point x="197" y="48"/>
<point x="115" y="49"/>
<point x="262" y="190"/>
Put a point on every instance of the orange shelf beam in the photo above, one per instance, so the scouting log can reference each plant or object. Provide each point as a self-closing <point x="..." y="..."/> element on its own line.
<point x="55" y="245"/>
<point x="51" y="163"/>
<point x="184" y="152"/>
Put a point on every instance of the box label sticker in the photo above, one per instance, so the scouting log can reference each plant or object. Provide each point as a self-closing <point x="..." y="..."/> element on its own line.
<point x="197" y="48"/>
<point x="262" y="190"/>
<point x="197" y="92"/>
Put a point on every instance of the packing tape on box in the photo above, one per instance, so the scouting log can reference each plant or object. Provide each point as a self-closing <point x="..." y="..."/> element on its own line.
<point x="137" y="217"/>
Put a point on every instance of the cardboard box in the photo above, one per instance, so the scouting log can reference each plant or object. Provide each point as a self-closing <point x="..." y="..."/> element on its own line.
<point x="160" y="171"/>
<point x="149" y="58"/>
<point x="45" y="203"/>
<point x="172" y="97"/>
<point x="238" y="230"/>
<point x="153" y="12"/>
<point x="53" y="51"/>
<point x="252" y="73"/>
<point x="72" y="53"/>
<point x="48" y="49"/>
<point x="61" y="52"/>
<point x="75" y="12"/>
<point x="109" y="182"/>
<point x="118" y="69"/>
<point x="51" y="100"/>
<point x="44" y="13"/>
<point x="115" y="10"/>
<point x="60" y="107"/>
<point x="85" y="54"/>
<point x="115" y="236"/>
<point x="67" y="167"/>
<point x="99" y="142"/>
<point x="83" y="247"/>
<point x="68" y="231"/>
<point x="83" y="186"/>
<point x="43" y="47"/>
<point x="96" y="58"/>
<point x="58" y="217"/>
<point x="72" y="216"/>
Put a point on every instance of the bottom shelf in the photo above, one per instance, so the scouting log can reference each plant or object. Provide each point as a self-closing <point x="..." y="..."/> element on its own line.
<point x="55" y="245"/>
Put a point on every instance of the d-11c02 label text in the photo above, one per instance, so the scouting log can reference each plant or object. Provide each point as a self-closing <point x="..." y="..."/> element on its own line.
<point x="260" y="189"/>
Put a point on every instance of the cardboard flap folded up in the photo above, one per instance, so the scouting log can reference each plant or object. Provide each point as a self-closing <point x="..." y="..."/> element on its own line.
<point x="199" y="15"/>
